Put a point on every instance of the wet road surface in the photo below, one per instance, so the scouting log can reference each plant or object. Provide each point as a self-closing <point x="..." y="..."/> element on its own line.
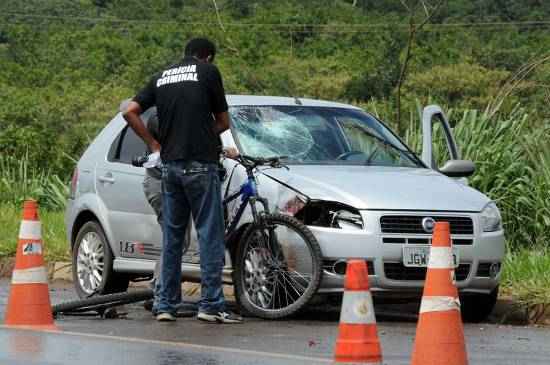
<point x="308" y="339"/>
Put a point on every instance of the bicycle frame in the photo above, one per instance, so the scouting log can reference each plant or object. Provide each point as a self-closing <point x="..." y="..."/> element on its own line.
<point x="249" y="195"/>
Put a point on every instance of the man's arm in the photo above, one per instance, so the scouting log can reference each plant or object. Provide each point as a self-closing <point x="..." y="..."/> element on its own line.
<point x="216" y="94"/>
<point x="132" y="117"/>
<point x="222" y="122"/>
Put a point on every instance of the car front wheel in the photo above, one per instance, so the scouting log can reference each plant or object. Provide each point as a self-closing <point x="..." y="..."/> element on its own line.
<point x="477" y="307"/>
<point x="93" y="263"/>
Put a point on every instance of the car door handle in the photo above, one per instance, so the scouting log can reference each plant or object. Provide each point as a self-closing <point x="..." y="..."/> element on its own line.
<point x="107" y="178"/>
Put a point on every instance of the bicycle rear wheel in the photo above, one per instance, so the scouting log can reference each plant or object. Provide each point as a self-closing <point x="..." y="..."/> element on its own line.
<point x="278" y="267"/>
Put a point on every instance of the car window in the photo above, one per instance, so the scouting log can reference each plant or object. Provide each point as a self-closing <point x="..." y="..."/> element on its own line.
<point x="131" y="145"/>
<point x="126" y="146"/>
<point x="441" y="152"/>
<point x="306" y="134"/>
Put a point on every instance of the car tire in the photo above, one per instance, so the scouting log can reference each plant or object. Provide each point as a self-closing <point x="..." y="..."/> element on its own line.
<point x="477" y="307"/>
<point x="92" y="251"/>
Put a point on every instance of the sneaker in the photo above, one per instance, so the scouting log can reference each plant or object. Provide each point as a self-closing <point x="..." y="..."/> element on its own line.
<point x="220" y="317"/>
<point x="166" y="317"/>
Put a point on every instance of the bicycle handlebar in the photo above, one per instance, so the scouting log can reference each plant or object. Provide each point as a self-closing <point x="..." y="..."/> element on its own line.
<point x="251" y="162"/>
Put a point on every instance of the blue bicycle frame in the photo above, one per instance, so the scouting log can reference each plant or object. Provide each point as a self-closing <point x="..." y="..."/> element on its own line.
<point x="249" y="195"/>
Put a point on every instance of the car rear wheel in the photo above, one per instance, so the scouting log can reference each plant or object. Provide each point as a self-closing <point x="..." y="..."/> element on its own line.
<point x="93" y="263"/>
<point x="477" y="307"/>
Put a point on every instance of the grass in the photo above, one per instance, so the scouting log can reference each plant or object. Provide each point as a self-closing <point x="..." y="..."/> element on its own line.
<point x="526" y="278"/>
<point x="526" y="275"/>
<point x="19" y="180"/>
<point x="53" y="233"/>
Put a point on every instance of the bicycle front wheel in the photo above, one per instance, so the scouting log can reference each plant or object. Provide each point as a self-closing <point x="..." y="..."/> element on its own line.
<point x="278" y="267"/>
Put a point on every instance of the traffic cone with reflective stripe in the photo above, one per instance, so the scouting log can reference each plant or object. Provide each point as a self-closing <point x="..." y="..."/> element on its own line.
<point x="357" y="340"/>
<point x="29" y="300"/>
<point x="440" y="334"/>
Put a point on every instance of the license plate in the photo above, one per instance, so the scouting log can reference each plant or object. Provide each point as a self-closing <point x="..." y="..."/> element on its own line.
<point x="418" y="256"/>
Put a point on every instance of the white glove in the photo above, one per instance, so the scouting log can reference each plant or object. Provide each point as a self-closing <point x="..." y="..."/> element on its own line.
<point x="153" y="160"/>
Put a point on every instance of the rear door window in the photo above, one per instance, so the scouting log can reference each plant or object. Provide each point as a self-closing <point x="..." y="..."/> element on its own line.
<point x="126" y="146"/>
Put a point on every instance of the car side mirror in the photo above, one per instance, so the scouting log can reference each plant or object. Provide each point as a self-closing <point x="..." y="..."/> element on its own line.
<point x="458" y="168"/>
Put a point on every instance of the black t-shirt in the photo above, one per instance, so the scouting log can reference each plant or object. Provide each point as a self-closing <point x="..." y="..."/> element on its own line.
<point x="186" y="94"/>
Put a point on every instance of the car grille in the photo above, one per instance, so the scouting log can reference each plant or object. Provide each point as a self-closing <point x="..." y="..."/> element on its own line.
<point x="423" y="241"/>
<point x="398" y="271"/>
<point x="413" y="224"/>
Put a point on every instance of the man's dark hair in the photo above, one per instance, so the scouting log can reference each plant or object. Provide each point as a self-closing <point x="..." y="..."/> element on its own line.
<point x="201" y="48"/>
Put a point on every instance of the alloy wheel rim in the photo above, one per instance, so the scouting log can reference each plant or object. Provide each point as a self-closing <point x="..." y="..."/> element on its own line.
<point x="90" y="262"/>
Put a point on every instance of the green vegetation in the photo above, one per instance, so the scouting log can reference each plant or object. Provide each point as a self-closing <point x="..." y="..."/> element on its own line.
<point x="53" y="233"/>
<point x="20" y="179"/>
<point x="66" y="65"/>
<point x="525" y="277"/>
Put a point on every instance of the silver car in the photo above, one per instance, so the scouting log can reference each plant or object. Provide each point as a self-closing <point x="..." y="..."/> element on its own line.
<point x="360" y="190"/>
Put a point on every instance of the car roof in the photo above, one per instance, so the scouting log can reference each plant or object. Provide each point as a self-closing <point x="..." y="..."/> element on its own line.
<point x="236" y="100"/>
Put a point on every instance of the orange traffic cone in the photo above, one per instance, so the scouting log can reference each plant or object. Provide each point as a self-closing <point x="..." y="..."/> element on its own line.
<point x="440" y="334"/>
<point x="29" y="300"/>
<point x="357" y="334"/>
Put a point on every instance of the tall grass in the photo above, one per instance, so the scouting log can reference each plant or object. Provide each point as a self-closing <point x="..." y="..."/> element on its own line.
<point x="20" y="179"/>
<point x="512" y="167"/>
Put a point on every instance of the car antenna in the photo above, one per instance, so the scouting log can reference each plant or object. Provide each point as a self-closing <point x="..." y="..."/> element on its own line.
<point x="297" y="101"/>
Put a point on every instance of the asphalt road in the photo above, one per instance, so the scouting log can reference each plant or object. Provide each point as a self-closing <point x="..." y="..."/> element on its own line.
<point x="308" y="339"/>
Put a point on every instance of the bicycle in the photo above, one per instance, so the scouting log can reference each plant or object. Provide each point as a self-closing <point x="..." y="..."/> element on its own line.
<point x="277" y="263"/>
<point x="277" y="259"/>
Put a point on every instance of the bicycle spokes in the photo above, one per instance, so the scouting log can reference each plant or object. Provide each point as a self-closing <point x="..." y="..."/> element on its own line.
<point x="278" y="267"/>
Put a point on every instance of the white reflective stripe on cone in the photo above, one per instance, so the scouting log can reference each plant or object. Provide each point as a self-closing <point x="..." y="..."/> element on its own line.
<point x="30" y="230"/>
<point x="357" y="308"/>
<point x="35" y="275"/>
<point x="439" y="304"/>
<point x="441" y="258"/>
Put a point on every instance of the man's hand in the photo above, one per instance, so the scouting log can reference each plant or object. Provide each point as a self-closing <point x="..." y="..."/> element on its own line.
<point x="132" y="117"/>
<point x="231" y="152"/>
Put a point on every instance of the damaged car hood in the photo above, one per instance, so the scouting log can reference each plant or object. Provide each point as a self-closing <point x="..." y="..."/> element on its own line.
<point x="381" y="188"/>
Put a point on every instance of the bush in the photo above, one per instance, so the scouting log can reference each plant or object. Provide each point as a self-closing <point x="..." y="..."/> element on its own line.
<point x="466" y="83"/>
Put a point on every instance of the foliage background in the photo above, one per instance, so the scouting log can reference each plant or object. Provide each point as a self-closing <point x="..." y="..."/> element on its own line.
<point x="66" y="65"/>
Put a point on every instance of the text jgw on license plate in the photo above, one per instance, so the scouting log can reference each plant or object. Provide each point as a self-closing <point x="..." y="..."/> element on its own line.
<point x="418" y="256"/>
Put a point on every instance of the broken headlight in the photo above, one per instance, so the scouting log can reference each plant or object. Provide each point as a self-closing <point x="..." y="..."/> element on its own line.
<point x="346" y="219"/>
<point x="330" y="214"/>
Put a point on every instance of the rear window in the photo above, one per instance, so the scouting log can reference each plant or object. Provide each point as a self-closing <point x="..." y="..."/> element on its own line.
<point x="128" y="144"/>
<point x="131" y="146"/>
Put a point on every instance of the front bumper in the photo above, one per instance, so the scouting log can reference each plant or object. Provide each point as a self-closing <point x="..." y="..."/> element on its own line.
<point x="485" y="251"/>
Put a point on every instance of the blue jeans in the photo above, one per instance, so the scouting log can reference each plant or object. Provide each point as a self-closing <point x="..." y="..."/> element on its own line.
<point x="192" y="188"/>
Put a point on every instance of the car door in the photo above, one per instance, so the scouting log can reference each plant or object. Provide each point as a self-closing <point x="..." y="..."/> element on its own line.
<point x="119" y="186"/>
<point x="439" y="149"/>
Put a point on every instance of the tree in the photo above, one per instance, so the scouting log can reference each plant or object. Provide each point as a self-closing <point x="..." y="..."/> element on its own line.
<point x="419" y="13"/>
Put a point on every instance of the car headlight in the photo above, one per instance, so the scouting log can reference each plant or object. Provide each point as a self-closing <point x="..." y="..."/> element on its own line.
<point x="490" y="218"/>
<point x="346" y="220"/>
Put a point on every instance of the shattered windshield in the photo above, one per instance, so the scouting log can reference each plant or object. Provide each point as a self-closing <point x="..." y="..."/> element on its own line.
<point x="306" y="134"/>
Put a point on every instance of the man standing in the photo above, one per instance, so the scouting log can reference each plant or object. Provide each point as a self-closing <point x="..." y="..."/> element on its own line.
<point x="152" y="183"/>
<point x="192" y="112"/>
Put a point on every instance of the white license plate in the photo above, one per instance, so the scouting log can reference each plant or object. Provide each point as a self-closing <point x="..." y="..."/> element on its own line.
<point x="418" y="256"/>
